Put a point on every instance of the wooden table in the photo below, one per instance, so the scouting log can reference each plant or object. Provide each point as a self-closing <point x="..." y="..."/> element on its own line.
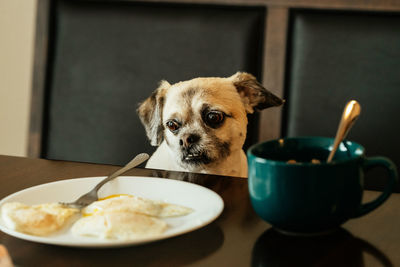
<point x="237" y="238"/>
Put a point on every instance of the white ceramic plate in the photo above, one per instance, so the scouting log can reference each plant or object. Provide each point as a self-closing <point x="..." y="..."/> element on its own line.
<point x="206" y="205"/>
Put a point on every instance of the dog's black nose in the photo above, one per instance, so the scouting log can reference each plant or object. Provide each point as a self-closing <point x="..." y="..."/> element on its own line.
<point x="188" y="140"/>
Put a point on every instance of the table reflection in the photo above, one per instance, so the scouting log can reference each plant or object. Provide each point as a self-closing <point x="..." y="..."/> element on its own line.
<point x="339" y="248"/>
<point x="176" y="253"/>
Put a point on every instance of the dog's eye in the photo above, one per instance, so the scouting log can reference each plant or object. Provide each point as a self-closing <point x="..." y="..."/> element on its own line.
<point x="214" y="118"/>
<point x="173" y="125"/>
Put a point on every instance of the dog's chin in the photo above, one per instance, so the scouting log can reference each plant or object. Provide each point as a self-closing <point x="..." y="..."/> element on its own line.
<point x="195" y="158"/>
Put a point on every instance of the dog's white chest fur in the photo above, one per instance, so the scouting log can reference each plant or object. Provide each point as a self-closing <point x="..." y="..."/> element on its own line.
<point x="200" y="125"/>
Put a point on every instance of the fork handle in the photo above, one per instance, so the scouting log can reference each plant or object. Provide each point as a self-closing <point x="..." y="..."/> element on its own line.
<point x="133" y="163"/>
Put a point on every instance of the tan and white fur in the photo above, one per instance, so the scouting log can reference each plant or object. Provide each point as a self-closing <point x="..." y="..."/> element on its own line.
<point x="200" y="125"/>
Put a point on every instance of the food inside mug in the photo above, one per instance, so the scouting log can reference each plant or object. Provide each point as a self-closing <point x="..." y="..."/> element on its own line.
<point x="294" y="151"/>
<point x="293" y="161"/>
<point x="309" y="155"/>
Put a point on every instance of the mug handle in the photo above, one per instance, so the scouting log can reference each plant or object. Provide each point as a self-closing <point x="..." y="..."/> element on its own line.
<point x="393" y="179"/>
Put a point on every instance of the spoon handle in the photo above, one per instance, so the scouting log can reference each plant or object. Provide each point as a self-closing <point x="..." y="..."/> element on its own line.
<point x="350" y="114"/>
<point x="133" y="163"/>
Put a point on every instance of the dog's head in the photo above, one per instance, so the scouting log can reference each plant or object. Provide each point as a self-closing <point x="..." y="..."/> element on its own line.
<point x="203" y="120"/>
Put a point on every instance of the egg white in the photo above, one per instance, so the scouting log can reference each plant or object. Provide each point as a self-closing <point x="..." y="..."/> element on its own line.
<point x="39" y="220"/>
<point x="120" y="217"/>
<point x="124" y="217"/>
<point x="119" y="225"/>
<point x="128" y="203"/>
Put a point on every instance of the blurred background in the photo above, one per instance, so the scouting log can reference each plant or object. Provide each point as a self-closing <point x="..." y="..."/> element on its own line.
<point x="95" y="60"/>
<point x="17" y="27"/>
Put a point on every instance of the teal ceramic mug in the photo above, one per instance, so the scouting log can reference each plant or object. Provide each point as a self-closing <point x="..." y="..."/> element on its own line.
<point x="307" y="197"/>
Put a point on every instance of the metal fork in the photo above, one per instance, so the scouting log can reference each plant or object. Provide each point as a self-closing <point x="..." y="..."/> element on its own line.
<point x="92" y="196"/>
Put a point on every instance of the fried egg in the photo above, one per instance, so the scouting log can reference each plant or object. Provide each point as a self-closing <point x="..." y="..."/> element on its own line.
<point x="129" y="203"/>
<point x="39" y="220"/>
<point x="120" y="217"/>
<point x="126" y="217"/>
<point x="120" y="225"/>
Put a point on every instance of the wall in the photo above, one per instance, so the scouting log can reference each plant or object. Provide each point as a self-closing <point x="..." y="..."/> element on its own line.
<point x="17" y="24"/>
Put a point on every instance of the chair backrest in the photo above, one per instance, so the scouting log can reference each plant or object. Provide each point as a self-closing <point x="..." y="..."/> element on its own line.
<point x="336" y="56"/>
<point x="103" y="58"/>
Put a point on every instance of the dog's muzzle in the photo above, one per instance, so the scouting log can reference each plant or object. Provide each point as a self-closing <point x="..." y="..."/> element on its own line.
<point x="193" y="156"/>
<point x="191" y="152"/>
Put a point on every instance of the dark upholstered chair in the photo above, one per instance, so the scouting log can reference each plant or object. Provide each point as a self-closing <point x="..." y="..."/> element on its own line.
<point x="104" y="57"/>
<point x="338" y="56"/>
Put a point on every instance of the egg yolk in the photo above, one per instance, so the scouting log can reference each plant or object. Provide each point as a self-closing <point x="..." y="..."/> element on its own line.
<point x="95" y="210"/>
<point x="115" y="195"/>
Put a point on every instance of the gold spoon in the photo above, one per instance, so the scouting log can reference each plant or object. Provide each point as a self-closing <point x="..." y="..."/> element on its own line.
<point x="350" y="114"/>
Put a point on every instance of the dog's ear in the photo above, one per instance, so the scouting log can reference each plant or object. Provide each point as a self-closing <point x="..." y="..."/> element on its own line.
<point x="254" y="96"/>
<point x="150" y="114"/>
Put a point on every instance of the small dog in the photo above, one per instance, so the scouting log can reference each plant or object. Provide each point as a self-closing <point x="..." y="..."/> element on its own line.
<point x="200" y="125"/>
